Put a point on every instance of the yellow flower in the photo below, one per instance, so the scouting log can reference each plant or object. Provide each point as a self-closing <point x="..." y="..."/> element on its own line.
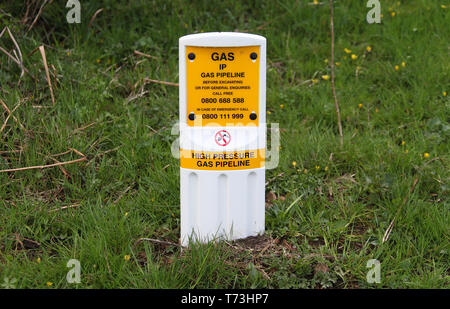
<point x="403" y="143"/>
<point x="315" y="2"/>
<point x="294" y="163"/>
<point x="369" y="49"/>
<point x="315" y="81"/>
<point x="444" y="93"/>
<point x="347" y="51"/>
<point x="443" y="6"/>
<point x="317" y="167"/>
<point x="406" y="151"/>
<point x="268" y="113"/>
<point x="396" y="67"/>
<point x="281" y="106"/>
<point x="326" y="168"/>
<point x="392" y="14"/>
<point x="360" y="105"/>
<point x="325" y="77"/>
<point x="403" y="64"/>
<point x="338" y="64"/>
<point x="98" y="60"/>
<point x="38" y="260"/>
<point x="426" y="155"/>
<point x="125" y="214"/>
<point x="354" y="57"/>
<point x="126" y="257"/>
<point x="49" y="283"/>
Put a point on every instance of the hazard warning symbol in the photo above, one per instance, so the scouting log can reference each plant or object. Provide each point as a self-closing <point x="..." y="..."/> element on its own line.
<point x="222" y="138"/>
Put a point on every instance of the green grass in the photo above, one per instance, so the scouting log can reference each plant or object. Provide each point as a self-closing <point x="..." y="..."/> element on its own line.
<point x="129" y="186"/>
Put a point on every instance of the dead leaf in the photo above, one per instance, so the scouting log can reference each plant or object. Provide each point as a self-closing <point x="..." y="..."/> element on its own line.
<point x="321" y="268"/>
<point x="270" y="197"/>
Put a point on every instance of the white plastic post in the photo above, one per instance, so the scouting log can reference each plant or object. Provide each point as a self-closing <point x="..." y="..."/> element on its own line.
<point x="222" y="136"/>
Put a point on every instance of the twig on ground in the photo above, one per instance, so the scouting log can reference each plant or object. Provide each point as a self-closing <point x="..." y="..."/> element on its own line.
<point x="63" y="170"/>
<point x="10" y="151"/>
<point x="273" y="178"/>
<point x="83" y="128"/>
<point x="336" y="103"/>
<point x="41" y="106"/>
<point x="77" y="152"/>
<point x="49" y="165"/>
<point x="163" y="242"/>
<point x="42" y="166"/>
<point x="65" y="207"/>
<point x="123" y="193"/>
<point x="148" y="80"/>
<point x="138" y="53"/>
<point x="139" y="95"/>
<point x="262" y="272"/>
<point x="102" y="154"/>
<point x="61" y="154"/>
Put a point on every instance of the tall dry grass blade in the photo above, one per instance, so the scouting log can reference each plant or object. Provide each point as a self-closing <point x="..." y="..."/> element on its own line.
<point x="17" y="59"/>
<point x="5" y="107"/>
<point x="38" y="15"/>
<point x="93" y="17"/>
<point x="20" y="58"/>
<point x="391" y="225"/>
<point x="333" y="89"/>
<point x="47" y="73"/>
<point x="10" y="113"/>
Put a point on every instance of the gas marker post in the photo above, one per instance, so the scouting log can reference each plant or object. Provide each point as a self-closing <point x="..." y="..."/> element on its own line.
<point x="222" y="136"/>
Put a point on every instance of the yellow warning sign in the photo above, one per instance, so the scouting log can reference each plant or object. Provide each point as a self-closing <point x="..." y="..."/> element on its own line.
<point x="222" y="85"/>
<point x="217" y="160"/>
